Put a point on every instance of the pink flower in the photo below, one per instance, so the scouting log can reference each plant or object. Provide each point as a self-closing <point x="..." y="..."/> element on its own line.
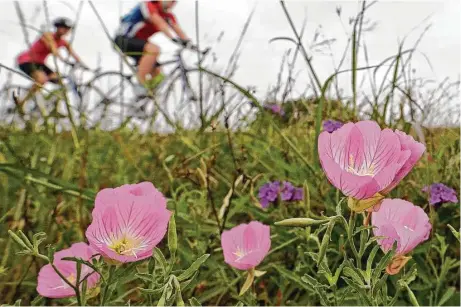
<point x="50" y="284"/>
<point x="361" y="160"/>
<point x="128" y="222"/>
<point x="401" y="221"/>
<point x="246" y="245"/>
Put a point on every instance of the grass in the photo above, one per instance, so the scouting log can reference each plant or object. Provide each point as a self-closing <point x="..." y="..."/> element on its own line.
<point x="211" y="176"/>
<point x="48" y="186"/>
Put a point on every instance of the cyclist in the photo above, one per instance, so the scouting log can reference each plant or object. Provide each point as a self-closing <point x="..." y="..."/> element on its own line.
<point x="32" y="61"/>
<point x="144" y="20"/>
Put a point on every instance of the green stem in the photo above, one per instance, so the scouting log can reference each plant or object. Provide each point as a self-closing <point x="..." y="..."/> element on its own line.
<point x="106" y="286"/>
<point x="350" y="234"/>
<point x="77" y="291"/>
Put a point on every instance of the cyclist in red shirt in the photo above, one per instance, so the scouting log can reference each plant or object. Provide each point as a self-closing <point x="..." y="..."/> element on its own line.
<point x="144" y="20"/>
<point x="32" y="61"/>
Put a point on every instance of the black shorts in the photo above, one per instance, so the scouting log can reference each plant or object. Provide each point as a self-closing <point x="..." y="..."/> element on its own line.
<point x="131" y="46"/>
<point x="28" y="68"/>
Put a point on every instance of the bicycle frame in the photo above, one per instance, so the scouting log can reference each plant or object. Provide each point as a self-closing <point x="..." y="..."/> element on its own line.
<point x="181" y="67"/>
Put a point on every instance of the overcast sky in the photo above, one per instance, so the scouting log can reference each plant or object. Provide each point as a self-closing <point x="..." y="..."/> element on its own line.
<point x="260" y="60"/>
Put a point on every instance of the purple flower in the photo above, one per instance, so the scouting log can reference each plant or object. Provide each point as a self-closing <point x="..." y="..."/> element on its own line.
<point x="331" y="125"/>
<point x="287" y="191"/>
<point x="440" y="193"/>
<point x="276" y="109"/>
<point x="269" y="192"/>
<point x="298" y="194"/>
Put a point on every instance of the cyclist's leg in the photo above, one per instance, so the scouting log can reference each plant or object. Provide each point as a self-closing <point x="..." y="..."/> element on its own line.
<point x="135" y="48"/>
<point x="147" y="62"/>
<point x="38" y="74"/>
<point x="157" y="77"/>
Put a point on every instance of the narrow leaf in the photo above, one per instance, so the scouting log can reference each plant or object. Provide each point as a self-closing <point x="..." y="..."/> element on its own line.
<point x="194" y="267"/>
<point x="194" y="302"/>
<point x="301" y="222"/>
<point x="248" y="282"/>
<point x="172" y="236"/>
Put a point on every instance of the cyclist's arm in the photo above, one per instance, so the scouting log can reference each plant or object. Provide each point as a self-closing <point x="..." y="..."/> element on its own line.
<point x="74" y="55"/>
<point x="177" y="28"/>
<point x="50" y="43"/>
<point x="161" y="24"/>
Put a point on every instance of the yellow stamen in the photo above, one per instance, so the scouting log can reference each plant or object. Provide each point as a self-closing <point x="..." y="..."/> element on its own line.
<point x="125" y="246"/>
<point x="240" y="253"/>
<point x="360" y="171"/>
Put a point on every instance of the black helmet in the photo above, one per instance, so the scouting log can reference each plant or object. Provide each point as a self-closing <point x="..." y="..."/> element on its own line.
<point x="63" y="22"/>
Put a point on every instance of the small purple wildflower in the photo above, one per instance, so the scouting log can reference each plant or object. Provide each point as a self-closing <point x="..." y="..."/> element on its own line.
<point x="287" y="191"/>
<point x="298" y="194"/>
<point x="269" y="192"/>
<point x="331" y="125"/>
<point x="276" y="109"/>
<point x="440" y="193"/>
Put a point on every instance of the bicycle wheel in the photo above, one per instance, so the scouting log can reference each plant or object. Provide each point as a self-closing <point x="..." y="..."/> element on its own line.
<point x="35" y="108"/>
<point x="109" y="99"/>
<point x="191" y="106"/>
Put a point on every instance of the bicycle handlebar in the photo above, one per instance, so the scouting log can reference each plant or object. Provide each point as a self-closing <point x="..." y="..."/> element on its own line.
<point x="75" y="65"/>
<point x="191" y="47"/>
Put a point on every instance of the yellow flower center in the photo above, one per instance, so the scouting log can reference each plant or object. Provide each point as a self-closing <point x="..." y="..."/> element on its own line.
<point x="71" y="278"/>
<point x="363" y="170"/>
<point x="240" y="253"/>
<point x="126" y="246"/>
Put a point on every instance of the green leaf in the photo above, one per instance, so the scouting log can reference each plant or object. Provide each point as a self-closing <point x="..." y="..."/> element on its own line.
<point x="446" y="296"/>
<point x="51" y="251"/>
<point x="18" y="240"/>
<point x="411" y="275"/>
<point x="337" y="273"/>
<point x="362" y="295"/>
<point x="324" y="269"/>
<point x="144" y="276"/>
<point x="378" y="285"/>
<point x="179" y="300"/>
<point x="291" y="276"/>
<point x="172" y="237"/>
<point x="317" y="287"/>
<point x="152" y="291"/>
<point x="158" y="255"/>
<point x="385" y="260"/>
<point x="301" y="222"/>
<point x="248" y="282"/>
<point x="193" y="268"/>
<point x="325" y="241"/>
<point x="349" y="272"/>
<point x="186" y="283"/>
<point x="338" y="207"/>
<point x="38" y="238"/>
<point x="194" y="302"/>
<point x="370" y="260"/>
<point x="411" y="296"/>
<point x="363" y="241"/>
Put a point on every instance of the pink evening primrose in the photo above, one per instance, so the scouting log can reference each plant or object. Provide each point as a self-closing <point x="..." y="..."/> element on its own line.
<point x="128" y="222"/>
<point x="400" y="221"/>
<point x="51" y="285"/>
<point x="362" y="160"/>
<point x="246" y="245"/>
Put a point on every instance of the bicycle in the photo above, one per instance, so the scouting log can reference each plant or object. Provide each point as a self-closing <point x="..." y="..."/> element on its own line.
<point x="117" y="89"/>
<point x="44" y="105"/>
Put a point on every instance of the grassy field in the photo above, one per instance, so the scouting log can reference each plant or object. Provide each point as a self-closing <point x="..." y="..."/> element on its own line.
<point x="49" y="185"/>
<point x="211" y="177"/>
